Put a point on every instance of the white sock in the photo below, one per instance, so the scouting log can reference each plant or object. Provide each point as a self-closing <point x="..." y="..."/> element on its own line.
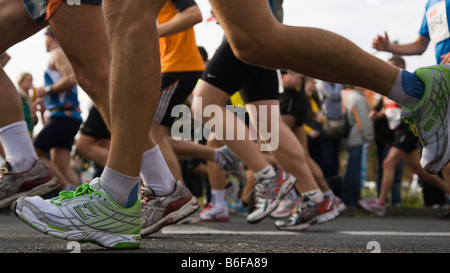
<point x="330" y="194"/>
<point x="121" y="188"/>
<point x="267" y="172"/>
<point x="218" y="198"/>
<point x="407" y="89"/>
<point x="156" y="174"/>
<point x="314" y="195"/>
<point x="18" y="147"/>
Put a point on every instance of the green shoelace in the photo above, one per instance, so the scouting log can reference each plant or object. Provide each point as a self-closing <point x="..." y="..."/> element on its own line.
<point x="81" y="190"/>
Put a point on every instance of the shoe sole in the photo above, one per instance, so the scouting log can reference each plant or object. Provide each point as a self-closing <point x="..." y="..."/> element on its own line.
<point x="320" y="219"/>
<point x="40" y="190"/>
<point x="218" y="219"/>
<point x="174" y="217"/>
<point x="285" y="188"/>
<point x="102" y="239"/>
<point x="280" y="215"/>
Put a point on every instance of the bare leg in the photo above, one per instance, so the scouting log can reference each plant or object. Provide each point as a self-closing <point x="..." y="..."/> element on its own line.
<point x="290" y="154"/>
<point x="16" y="25"/>
<point x="413" y="160"/>
<point x="86" y="46"/>
<point x="95" y="150"/>
<point x="185" y="148"/>
<point x="394" y="156"/>
<point x="314" y="52"/>
<point x="299" y="132"/>
<point x="135" y="79"/>
<point x="244" y="149"/>
<point x="61" y="158"/>
<point x="62" y="180"/>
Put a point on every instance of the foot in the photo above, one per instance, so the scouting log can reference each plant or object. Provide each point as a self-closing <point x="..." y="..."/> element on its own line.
<point x="213" y="213"/>
<point x="429" y="118"/>
<point x="36" y="181"/>
<point x="373" y="205"/>
<point x="160" y="211"/>
<point x="269" y="193"/>
<point x="308" y="213"/>
<point x="85" y="215"/>
<point x="339" y="204"/>
<point x="285" y="208"/>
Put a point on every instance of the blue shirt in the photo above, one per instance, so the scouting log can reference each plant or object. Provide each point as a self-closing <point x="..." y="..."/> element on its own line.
<point x="63" y="104"/>
<point x="435" y="26"/>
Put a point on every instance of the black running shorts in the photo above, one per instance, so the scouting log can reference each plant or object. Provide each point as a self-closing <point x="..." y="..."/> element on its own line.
<point x="226" y="72"/>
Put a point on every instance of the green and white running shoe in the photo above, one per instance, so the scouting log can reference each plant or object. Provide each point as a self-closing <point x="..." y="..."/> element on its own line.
<point x="429" y="118"/>
<point x="85" y="215"/>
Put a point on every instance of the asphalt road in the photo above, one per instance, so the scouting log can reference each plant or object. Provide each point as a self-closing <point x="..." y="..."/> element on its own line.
<point x="343" y="235"/>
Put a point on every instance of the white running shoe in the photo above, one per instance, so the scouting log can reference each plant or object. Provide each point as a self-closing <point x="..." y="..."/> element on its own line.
<point x="213" y="213"/>
<point x="160" y="211"/>
<point x="308" y="213"/>
<point x="36" y="181"/>
<point x="269" y="193"/>
<point x="286" y="206"/>
<point x="85" y="215"/>
<point x="429" y="118"/>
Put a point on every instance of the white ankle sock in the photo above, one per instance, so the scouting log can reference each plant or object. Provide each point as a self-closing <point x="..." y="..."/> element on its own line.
<point x="156" y="174"/>
<point x="218" y="198"/>
<point x="267" y="172"/>
<point x="121" y="188"/>
<point x="314" y="195"/>
<point x="18" y="147"/>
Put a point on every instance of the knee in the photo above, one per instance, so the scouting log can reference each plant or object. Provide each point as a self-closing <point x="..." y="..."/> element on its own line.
<point x="81" y="147"/>
<point x="388" y="164"/>
<point x="249" y="51"/>
<point x="257" y="47"/>
<point x="128" y="18"/>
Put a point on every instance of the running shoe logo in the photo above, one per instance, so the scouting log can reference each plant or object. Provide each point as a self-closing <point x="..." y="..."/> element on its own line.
<point x="85" y="211"/>
<point x="274" y="189"/>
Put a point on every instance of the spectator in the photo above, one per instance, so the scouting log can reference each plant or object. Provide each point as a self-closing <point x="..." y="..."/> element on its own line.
<point x="332" y="138"/>
<point x="435" y="27"/>
<point x="60" y="96"/>
<point x="361" y="131"/>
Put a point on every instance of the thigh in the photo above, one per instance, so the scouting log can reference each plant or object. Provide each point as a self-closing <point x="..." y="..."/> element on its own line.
<point x="270" y="109"/>
<point x="15" y="23"/>
<point x="244" y="19"/>
<point x="227" y="72"/>
<point x="394" y="156"/>
<point x="60" y="156"/>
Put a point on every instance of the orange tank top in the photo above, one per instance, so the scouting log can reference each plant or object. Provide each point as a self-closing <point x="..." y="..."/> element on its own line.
<point x="179" y="52"/>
